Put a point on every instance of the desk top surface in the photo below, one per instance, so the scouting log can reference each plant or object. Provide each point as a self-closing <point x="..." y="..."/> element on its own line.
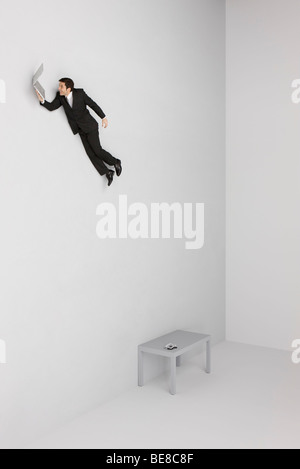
<point x="180" y="338"/>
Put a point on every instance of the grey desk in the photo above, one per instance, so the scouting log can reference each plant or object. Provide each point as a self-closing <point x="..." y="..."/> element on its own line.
<point x="184" y="340"/>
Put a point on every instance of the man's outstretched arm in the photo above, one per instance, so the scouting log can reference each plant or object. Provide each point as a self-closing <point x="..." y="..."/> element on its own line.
<point x="55" y="104"/>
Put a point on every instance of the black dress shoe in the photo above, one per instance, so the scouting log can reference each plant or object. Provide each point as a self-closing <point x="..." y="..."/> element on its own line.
<point x="110" y="176"/>
<point x="118" y="167"/>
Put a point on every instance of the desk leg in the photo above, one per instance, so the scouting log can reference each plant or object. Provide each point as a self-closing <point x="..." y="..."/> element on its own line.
<point x="208" y="357"/>
<point x="178" y="360"/>
<point x="173" y="376"/>
<point x="140" y="368"/>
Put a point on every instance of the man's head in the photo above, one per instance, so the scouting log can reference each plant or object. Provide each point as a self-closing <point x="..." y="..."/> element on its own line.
<point x="65" y="86"/>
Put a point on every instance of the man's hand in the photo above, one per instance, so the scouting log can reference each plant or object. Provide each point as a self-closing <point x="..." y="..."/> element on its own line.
<point x="104" y="122"/>
<point x="39" y="96"/>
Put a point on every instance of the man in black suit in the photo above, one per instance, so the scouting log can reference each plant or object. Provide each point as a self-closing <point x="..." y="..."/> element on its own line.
<point x="74" y="102"/>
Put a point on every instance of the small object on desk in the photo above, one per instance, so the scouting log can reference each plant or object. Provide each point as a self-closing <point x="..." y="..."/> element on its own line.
<point x="170" y="346"/>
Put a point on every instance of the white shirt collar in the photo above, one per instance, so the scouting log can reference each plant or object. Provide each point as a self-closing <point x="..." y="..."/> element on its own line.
<point x="69" y="95"/>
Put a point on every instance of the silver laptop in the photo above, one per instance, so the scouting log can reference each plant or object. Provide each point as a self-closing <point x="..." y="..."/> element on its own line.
<point x="36" y="84"/>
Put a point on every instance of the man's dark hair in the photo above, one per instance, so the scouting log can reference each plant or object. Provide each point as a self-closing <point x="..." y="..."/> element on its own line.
<point x="68" y="82"/>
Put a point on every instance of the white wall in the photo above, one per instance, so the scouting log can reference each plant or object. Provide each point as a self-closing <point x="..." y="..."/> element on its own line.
<point x="74" y="307"/>
<point x="263" y="190"/>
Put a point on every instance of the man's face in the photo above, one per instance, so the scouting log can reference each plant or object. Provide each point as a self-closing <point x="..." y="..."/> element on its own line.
<point x="63" y="91"/>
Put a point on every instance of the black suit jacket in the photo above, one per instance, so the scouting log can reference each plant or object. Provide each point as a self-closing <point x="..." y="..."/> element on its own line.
<point x="78" y="116"/>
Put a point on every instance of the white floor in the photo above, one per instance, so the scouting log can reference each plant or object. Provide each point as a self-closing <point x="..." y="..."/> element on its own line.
<point x="251" y="400"/>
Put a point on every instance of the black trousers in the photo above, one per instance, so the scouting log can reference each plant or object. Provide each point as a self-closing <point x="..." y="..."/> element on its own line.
<point x="95" y="152"/>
